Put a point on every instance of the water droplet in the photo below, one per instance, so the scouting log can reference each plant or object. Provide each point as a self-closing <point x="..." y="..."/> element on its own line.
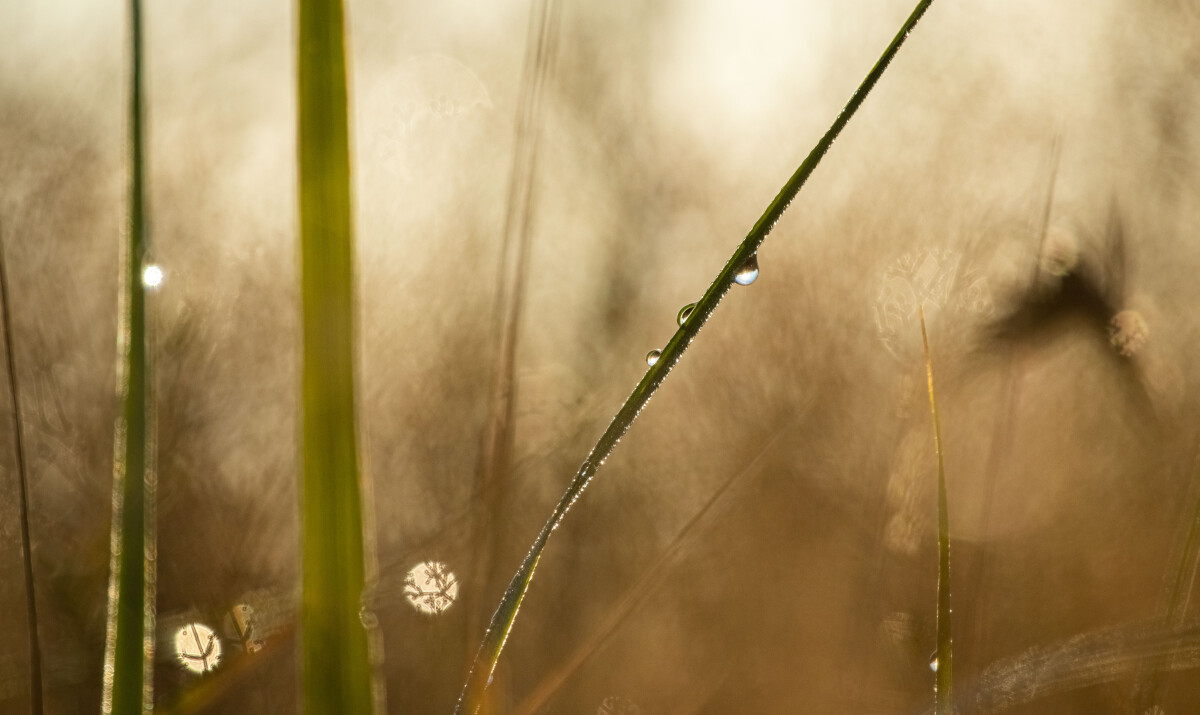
<point x="152" y="276"/>
<point x="933" y="661"/>
<point x="684" y="313"/>
<point x="652" y="357"/>
<point x="197" y="648"/>
<point x="245" y="624"/>
<point x="431" y="587"/>
<point x="748" y="273"/>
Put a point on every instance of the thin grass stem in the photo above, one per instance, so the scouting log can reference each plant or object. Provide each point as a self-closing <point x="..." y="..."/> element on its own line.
<point x="502" y="620"/>
<point x="944" y="685"/>
<point x="31" y="619"/>
<point x="129" y="642"/>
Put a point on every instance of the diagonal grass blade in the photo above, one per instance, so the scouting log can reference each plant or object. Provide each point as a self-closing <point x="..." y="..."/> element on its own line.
<point x="737" y="268"/>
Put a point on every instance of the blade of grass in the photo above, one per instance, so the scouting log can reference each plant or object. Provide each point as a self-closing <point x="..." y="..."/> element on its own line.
<point x="334" y="663"/>
<point x="31" y="620"/>
<point x="506" y="613"/>
<point x="129" y="642"/>
<point x="944" y="687"/>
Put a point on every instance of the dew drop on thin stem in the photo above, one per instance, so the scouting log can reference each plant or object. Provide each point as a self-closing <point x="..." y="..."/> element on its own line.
<point x="652" y="357"/>
<point x="684" y="313"/>
<point x="748" y="273"/>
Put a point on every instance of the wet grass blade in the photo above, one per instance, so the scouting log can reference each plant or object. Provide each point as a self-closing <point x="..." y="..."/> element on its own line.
<point x="944" y="687"/>
<point x="502" y="620"/>
<point x="129" y="642"/>
<point x="334" y="664"/>
<point x="31" y="620"/>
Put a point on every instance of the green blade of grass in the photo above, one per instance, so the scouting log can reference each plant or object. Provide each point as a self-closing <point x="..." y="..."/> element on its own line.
<point x="334" y="663"/>
<point x="502" y="620"/>
<point x="944" y="687"/>
<point x="129" y="642"/>
<point x="31" y="619"/>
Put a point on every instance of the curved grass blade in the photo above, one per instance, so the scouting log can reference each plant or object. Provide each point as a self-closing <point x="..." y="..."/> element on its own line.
<point x="502" y="620"/>
<point x="129" y="642"/>
<point x="31" y="620"/>
<point x="334" y="663"/>
<point x="944" y="687"/>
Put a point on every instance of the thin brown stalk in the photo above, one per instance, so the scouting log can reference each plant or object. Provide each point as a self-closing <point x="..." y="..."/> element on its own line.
<point x="31" y="620"/>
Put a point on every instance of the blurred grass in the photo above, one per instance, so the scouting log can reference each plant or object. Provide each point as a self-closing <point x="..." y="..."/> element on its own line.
<point x="129" y="644"/>
<point x="944" y="688"/>
<point x="31" y="619"/>
<point x="495" y="457"/>
<point x="505" y="615"/>
<point x="334" y="664"/>
<point x="1150" y="687"/>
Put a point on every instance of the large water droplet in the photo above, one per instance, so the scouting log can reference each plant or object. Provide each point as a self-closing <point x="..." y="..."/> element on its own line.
<point x="652" y="357"/>
<point x="933" y="662"/>
<point x="431" y="587"/>
<point x="197" y="648"/>
<point x="684" y="313"/>
<point x="748" y="273"/>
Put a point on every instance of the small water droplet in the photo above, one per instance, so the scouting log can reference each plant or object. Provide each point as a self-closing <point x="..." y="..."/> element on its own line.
<point x="152" y="276"/>
<point x="933" y="661"/>
<point x="197" y="648"/>
<point x="748" y="273"/>
<point x="684" y="313"/>
<point x="652" y="357"/>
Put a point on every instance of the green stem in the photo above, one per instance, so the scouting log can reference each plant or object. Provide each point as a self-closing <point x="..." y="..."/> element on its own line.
<point x="502" y="620"/>
<point x="129" y="645"/>
<point x="335" y="667"/>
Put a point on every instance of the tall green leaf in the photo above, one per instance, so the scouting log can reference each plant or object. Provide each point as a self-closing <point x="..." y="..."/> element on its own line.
<point x="745" y="256"/>
<point x="335" y="671"/>
<point x="129" y="644"/>
<point x="944" y="687"/>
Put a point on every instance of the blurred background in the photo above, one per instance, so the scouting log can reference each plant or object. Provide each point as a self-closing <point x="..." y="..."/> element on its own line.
<point x="764" y="539"/>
